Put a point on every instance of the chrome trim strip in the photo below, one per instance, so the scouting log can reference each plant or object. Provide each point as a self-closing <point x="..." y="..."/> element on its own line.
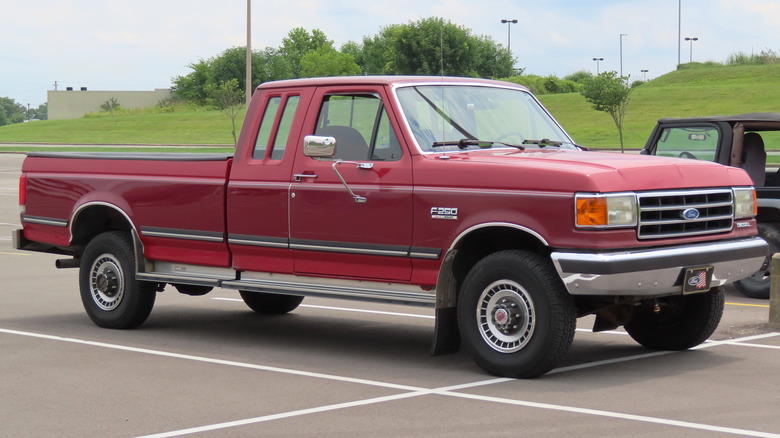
<point x="500" y="225"/>
<point x="55" y="222"/>
<point x="263" y="241"/>
<point x="172" y="233"/>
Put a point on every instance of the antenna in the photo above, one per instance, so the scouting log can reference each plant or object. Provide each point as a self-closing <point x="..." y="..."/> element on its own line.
<point x="441" y="47"/>
<point x="55" y="85"/>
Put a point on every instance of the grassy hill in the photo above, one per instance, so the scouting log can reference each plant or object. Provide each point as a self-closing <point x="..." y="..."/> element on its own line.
<point x="706" y="90"/>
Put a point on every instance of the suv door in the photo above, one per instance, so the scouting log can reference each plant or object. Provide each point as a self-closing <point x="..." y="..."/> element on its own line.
<point x="351" y="215"/>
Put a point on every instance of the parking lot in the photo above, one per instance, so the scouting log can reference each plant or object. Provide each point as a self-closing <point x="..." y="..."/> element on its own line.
<point x="210" y="367"/>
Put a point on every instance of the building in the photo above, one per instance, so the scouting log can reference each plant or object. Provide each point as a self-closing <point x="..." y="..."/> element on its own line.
<point x="72" y="104"/>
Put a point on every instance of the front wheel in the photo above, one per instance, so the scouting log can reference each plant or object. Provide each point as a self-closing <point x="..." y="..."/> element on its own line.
<point x="516" y="318"/>
<point x="111" y="295"/>
<point x="678" y="322"/>
<point x="270" y="304"/>
<point x="758" y="284"/>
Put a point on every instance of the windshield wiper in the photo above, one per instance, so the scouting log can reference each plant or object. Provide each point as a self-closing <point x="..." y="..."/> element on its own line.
<point x="482" y="144"/>
<point x="543" y="142"/>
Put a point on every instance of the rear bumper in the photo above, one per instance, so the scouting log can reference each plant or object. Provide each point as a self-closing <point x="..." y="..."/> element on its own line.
<point x="657" y="271"/>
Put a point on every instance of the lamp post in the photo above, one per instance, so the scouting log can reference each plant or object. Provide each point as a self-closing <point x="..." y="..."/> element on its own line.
<point x="621" y="52"/>
<point x="691" y="39"/>
<point x="509" y="24"/>
<point x="248" y="91"/>
<point x="644" y="74"/>
<point x="597" y="64"/>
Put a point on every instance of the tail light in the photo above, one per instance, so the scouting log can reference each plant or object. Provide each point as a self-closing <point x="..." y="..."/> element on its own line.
<point x="22" y="191"/>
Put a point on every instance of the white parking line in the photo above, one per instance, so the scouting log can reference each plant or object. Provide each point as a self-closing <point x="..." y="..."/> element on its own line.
<point x="410" y="391"/>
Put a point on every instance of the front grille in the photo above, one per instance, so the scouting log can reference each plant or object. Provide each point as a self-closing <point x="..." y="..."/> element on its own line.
<point x="662" y="214"/>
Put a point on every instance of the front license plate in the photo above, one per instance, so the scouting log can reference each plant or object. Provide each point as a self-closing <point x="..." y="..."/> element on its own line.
<point x="697" y="279"/>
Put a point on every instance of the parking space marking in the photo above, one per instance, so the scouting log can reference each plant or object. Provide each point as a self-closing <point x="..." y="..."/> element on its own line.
<point x="747" y="305"/>
<point x="411" y="391"/>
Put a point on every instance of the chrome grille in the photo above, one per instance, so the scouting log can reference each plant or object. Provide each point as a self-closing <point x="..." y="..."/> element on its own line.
<point x="662" y="214"/>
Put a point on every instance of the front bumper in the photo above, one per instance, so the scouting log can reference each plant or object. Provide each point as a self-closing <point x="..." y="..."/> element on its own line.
<point x="652" y="272"/>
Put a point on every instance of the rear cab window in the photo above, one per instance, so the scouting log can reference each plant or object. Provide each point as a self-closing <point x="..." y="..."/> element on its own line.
<point x="275" y="127"/>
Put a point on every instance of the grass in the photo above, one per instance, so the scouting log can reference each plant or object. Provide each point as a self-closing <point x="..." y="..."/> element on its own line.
<point x="696" y="90"/>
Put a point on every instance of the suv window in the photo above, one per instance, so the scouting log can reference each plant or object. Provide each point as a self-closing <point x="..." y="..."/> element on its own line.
<point x="361" y="127"/>
<point x="689" y="142"/>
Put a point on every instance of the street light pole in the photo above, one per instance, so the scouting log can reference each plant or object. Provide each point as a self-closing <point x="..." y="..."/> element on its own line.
<point x="248" y="92"/>
<point x="691" y="39"/>
<point x="621" y="52"/>
<point x="509" y="24"/>
<point x="597" y="64"/>
<point x="644" y="74"/>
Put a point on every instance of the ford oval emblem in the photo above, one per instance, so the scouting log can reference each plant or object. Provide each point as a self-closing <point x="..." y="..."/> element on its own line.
<point x="690" y="214"/>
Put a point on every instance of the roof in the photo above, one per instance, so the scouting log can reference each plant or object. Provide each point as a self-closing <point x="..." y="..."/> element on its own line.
<point x="752" y="117"/>
<point x="380" y="80"/>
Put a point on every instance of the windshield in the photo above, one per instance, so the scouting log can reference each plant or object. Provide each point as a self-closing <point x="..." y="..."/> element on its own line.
<point x="441" y="117"/>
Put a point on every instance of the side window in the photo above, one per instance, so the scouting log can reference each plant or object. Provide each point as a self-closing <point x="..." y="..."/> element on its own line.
<point x="361" y="127"/>
<point x="272" y="139"/>
<point x="691" y="142"/>
<point x="266" y="126"/>
<point x="285" y="126"/>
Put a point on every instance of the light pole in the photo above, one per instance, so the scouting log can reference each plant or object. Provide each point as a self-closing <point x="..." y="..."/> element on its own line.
<point x="248" y="51"/>
<point x="509" y="24"/>
<point x="691" y="39"/>
<point x="644" y="74"/>
<point x="621" y="52"/>
<point x="597" y="64"/>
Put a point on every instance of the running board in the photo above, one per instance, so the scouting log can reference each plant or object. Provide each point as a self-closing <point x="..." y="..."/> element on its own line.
<point x="349" y="289"/>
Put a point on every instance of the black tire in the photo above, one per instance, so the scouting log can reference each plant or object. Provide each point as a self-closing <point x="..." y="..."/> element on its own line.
<point x="271" y="304"/>
<point x="758" y="284"/>
<point x="519" y="345"/>
<point x="111" y="295"/>
<point x="678" y="322"/>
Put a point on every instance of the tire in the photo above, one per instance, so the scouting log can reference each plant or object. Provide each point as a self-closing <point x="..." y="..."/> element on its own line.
<point x="678" y="323"/>
<point x="270" y="304"/>
<point x="758" y="284"/>
<point x="111" y="295"/>
<point x="524" y="344"/>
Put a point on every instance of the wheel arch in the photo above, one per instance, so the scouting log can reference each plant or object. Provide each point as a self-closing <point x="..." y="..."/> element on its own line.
<point x="93" y="218"/>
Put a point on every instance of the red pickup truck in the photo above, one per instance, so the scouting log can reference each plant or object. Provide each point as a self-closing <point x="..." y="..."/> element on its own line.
<point x="460" y="194"/>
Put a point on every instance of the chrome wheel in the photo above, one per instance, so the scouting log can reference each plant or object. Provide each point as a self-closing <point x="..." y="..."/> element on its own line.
<point x="506" y="316"/>
<point x="106" y="282"/>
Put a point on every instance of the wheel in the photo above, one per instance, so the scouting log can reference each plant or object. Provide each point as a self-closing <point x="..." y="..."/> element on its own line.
<point x="270" y="304"/>
<point x="758" y="284"/>
<point x="676" y="323"/>
<point x="516" y="318"/>
<point x="111" y="295"/>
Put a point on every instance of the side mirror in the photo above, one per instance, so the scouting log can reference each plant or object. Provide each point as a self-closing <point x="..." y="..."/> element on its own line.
<point x="317" y="146"/>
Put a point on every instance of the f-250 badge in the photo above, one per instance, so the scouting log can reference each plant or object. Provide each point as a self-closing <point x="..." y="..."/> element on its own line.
<point x="444" y="213"/>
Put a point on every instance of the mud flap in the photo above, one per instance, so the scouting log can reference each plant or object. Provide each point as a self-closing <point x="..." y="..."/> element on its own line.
<point x="446" y="337"/>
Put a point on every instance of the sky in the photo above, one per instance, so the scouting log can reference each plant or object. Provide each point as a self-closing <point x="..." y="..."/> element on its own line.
<point x="143" y="44"/>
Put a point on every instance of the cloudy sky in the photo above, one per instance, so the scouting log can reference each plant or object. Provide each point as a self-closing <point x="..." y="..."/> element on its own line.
<point x="142" y="44"/>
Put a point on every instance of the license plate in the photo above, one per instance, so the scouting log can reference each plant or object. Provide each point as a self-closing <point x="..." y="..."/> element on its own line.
<point x="697" y="280"/>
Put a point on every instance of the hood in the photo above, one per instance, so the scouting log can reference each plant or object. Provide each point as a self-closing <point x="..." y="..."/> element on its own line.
<point x="567" y="170"/>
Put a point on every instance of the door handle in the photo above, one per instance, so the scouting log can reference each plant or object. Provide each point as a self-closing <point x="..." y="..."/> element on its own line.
<point x="298" y="177"/>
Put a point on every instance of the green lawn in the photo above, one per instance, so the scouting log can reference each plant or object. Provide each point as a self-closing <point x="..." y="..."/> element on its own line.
<point x="722" y="90"/>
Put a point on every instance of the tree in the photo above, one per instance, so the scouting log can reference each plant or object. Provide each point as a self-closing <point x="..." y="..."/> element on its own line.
<point x="298" y="43"/>
<point x="110" y="105"/>
<point x="228" y="97"/>
<point x="12" y="112"/>
<point x="609" y="93"/>
<point x="192" y="87"/>
<point x="328" y="62"/>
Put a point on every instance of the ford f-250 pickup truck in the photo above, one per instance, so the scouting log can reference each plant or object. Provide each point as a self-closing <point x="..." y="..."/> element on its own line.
<point x="460" y="194"/>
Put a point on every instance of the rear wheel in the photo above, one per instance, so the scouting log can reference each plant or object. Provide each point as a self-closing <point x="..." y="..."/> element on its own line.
<point x="677" y="323"/>
<point x="758" y="284"/>
<point x="111" y="295"/>
<point x="270" y="304"/>
<point x="516" y="318"/>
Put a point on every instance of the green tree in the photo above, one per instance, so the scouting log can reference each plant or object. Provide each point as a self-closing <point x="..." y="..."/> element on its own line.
<point x="298" y="43"/>
<point x="227" y="97"/>
<point x="192" y="87"/>
<point x="12" y="112"/>
<point x="609" y="93"/>
<point x="328" y="62"/>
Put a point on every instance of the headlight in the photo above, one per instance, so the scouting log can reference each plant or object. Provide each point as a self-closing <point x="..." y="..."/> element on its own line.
<point x="745" y="205"/>
<point x="605" y="210"/>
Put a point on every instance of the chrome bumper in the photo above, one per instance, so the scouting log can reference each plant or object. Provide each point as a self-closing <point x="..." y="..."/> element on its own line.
<point x="657" y="271"/>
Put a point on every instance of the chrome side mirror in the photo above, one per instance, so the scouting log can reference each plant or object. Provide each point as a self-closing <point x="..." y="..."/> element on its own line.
<point x="318" y="146"/>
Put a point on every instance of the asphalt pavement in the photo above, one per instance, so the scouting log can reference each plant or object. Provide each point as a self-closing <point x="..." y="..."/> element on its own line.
<point x="209" y="367"/>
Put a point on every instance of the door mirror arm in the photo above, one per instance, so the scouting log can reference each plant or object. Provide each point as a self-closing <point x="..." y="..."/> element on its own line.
<point x="367" y="166"/>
